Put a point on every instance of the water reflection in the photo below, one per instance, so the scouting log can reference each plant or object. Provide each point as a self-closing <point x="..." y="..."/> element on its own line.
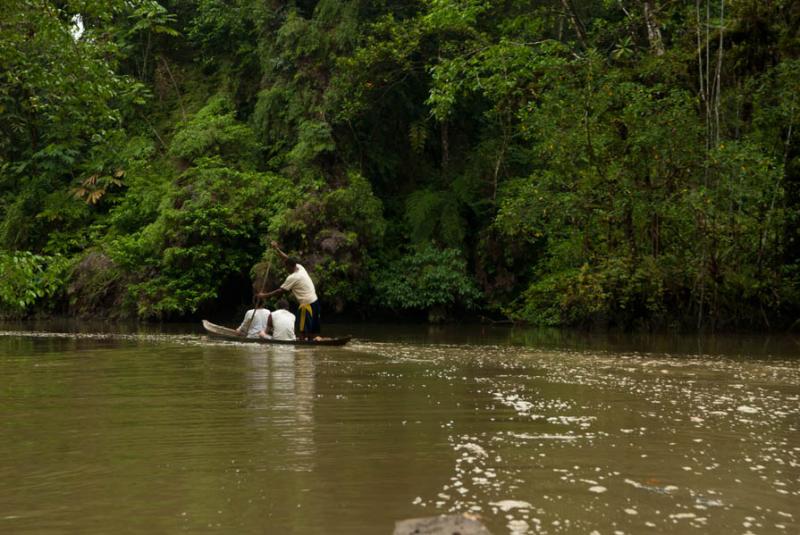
<point x="280" y="382"/>
<point x="762" y="345"/>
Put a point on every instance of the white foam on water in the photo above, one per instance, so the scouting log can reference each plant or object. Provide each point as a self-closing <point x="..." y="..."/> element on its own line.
<point x="508" y="505"/>
<point x="544" y="436"/>
<point x="687" y="400"/>
<point x="518" y="527"/>
<point x="472" y="447"/>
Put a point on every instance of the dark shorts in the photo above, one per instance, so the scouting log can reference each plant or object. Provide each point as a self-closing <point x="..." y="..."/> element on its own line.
<point x="310" y="323"/>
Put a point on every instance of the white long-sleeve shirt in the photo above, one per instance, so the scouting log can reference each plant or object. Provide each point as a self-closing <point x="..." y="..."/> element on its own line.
<point x="283" y="325"/>
<point x="258" y="324"/>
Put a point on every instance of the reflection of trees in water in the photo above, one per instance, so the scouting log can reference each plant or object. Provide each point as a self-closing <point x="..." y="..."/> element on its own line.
<point x="281" y="388"/>
<point x="653" y="342"/>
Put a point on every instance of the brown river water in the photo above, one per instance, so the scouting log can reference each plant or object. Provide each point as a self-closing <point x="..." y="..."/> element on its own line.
<point x="137" y="430"/>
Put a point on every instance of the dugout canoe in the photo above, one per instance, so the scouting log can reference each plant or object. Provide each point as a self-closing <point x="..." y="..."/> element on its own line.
<point x="219" y="331"/>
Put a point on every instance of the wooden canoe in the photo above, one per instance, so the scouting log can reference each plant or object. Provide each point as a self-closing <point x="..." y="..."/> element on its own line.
<point x="230" y="334"/>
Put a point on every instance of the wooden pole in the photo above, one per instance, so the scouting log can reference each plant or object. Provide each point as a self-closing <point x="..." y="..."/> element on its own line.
<point x="256" y="298"/>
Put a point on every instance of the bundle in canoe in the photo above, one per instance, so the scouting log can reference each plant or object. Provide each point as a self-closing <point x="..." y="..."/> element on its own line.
<point x="230" y="334"/>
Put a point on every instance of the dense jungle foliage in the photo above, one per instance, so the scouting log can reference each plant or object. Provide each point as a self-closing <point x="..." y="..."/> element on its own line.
<point x="604" y="162"/>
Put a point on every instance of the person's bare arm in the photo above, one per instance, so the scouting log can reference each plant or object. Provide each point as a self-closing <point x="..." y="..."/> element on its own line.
<point x="264" y="295"/>
<point x="275" y="246"/>
<point x="240" y="328"/>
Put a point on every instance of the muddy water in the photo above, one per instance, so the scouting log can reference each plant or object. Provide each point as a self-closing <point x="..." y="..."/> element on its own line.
<point x="536" y="432"/>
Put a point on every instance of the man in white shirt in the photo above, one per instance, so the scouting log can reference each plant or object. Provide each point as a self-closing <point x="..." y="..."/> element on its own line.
<point x="255" y="323"/>
<point x="302" y="287"/>
<point x="281" y="322"/>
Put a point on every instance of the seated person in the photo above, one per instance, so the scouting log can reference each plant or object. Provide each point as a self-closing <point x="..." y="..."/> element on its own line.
<point x="281" y="322"/>
<point x="255" y="323"/>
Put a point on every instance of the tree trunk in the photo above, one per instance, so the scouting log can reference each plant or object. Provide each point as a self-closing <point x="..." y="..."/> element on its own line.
<point x="445" y="136"/>
<point x="653" y="28"/>
<point x="655" y="232"/>
<point x="580" y="29"/>
<point x="174" y="85"/>
<point x="630" y="233"/>
<point x="718" y="75"/>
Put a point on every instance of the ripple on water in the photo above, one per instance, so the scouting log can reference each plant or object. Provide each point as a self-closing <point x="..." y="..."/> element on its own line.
<point x="685" y="435"/>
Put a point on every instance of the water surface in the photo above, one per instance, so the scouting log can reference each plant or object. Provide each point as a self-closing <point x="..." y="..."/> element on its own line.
<point x="139" y="431"/>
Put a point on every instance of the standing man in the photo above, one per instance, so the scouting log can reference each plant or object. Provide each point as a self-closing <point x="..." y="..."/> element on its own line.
<point x="299" y="283"/>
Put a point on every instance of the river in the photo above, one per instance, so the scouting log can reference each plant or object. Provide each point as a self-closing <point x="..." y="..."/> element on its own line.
<point x="138" y="430"/>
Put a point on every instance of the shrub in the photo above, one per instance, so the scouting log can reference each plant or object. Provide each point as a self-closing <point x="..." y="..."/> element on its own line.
<point x="214" y="131"/>
<point x="29" y="278"/>
<point x="426" y="279"/>
<point x="207" y="232"/>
